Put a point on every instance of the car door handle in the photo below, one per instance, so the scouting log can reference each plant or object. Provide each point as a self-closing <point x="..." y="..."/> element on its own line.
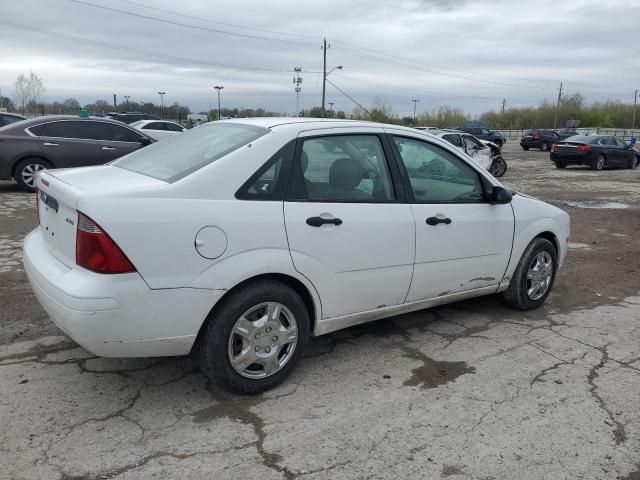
<point x="108" y="148"/>
<point x="49" y="144"/>
<point x="437" y="220"/>
<point x="319" y="221"/>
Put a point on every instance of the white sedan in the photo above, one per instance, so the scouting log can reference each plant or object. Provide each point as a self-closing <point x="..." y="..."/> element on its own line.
<point x="239" y="239"/>
<point x="158" y="129"/>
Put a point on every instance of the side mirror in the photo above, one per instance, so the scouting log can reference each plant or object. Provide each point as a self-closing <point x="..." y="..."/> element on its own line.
<point x="500" y="196"/>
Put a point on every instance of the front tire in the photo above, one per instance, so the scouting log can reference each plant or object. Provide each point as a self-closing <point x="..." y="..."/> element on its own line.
<point x="544" y="147"/>
<point x="26" y="170"/>
<point x="255" y="338"/>
<point x="560" y="165"/>
<point x="633" y="163"/>
<point x="534" y="276"/>
<point x="526" y="149"/>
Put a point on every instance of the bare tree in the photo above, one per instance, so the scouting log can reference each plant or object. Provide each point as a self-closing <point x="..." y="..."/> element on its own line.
<point x="21" y="91"/>
<point x="36" y="89"/>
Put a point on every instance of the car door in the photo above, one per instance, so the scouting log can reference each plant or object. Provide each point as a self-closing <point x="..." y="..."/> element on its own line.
<point x="463" y="242"/>
<point x="625" y="154"/>
<point x="70" y="143"/>
<point x="117" y="140"/>
<point x="350" y="230"/>
<point x="480" y="153"/>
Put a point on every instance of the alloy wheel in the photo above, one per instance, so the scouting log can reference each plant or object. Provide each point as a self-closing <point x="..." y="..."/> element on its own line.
<point x="262" y="340"/>
<point x="29" y="172"/>
<point x="539" y="275"/>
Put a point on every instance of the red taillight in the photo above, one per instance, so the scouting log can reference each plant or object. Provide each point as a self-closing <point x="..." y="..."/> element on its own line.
<point x="38" y="205"/>
<point x="583" y="148"/>
<point x="554" y="147"/>
<point x="96" y="251"/>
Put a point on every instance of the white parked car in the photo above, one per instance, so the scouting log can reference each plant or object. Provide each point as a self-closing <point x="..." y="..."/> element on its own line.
<point x="239" y="239"/>
<point x="158" y="129"/>
<point x="484" y="153"/>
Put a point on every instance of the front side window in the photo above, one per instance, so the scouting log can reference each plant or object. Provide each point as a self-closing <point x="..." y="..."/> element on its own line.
<point x="345" y="168"/>
<point x="471" y="144"/>
<point x="69" y="129"/>
<point x="180" y="155"/>
<point x="438" y="176"/>
<point x="115" y="133"/>
<point x="620" y="143"/>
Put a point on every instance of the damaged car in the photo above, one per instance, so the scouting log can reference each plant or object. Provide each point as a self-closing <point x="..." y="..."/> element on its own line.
<point x="239" y="239"/>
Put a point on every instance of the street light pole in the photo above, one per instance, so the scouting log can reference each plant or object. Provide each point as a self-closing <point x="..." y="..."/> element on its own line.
<point x="331" y="109"/>
<point x="162" y="94"/>
<point x="415" y="104"/>
<point x="126" y="99"/>
<point x="218" y="88"/>
<point x="635" y="102"/>
<point x="324" y="82"/>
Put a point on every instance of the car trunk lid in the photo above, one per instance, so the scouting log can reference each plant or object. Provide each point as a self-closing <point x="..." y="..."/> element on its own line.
<point x="58" y="194"/>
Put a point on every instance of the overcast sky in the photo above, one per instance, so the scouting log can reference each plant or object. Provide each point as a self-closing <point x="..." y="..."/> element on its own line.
<point x="464" y="53"/>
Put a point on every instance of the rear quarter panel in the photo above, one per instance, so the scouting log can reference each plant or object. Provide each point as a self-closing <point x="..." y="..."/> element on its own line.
<point x="13" y="149"/>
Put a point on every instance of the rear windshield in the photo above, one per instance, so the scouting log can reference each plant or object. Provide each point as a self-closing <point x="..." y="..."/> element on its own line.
<point x="583" y="139"/>
<point x="180" y="155"/>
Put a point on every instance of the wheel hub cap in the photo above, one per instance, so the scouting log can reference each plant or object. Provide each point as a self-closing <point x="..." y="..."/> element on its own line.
<point x="262" y="340"/>
<point x="539" y="276"/>
<point x="29" y="173"/>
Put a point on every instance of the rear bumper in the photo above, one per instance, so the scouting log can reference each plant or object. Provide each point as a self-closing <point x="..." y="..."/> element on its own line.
<point x="574" y="158"/>
<point x="115" y="315"/>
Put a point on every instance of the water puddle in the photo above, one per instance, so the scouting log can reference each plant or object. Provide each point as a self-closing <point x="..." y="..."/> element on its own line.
<point x="433" y="373"/>
<point x="596" y="204"/>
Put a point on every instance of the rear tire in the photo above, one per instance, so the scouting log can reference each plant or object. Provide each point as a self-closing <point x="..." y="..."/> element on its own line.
<point x="246" y="350"/>
<point x="522" y="293"/>
<point x="526" y="149"/>
<point x="498" y="167"/>
<point x="599" y="163"/>
<point x="561" y="165"/>
<point x="26" y="170"/>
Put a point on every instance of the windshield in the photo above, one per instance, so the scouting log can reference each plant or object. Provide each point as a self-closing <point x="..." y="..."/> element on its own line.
<point x="181" y="155"/>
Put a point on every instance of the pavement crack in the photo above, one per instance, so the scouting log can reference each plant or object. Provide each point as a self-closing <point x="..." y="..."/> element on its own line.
<point x="619" y="433"/>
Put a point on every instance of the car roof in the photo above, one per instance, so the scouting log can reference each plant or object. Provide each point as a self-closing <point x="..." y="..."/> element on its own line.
<point x="269" y="122"/>
<point x="52" y="118"/>
<point x="10" y="114"/>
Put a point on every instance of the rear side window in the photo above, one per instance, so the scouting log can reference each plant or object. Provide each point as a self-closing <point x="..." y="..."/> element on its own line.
<point x="154" y="126"/>
<point x="69" y="129"/>
<point x="269" y="182"/>
<point x="37" y="130"/>
<point x="453" y="139"/>
<point x="180" y="155"/>
<point x="114" y="133"/>
<point x="345" y="168"/>
<point x="172" y="127"/>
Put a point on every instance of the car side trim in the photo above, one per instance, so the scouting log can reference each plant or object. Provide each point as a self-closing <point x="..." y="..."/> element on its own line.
<point x="328" y="325"/>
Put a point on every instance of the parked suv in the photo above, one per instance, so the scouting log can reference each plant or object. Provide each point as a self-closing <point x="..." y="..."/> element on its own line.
<point x="239" y="239"/>
<point x="63" y="141"/>
<point x="483" y="133"/>
<point x="541" y="139"/>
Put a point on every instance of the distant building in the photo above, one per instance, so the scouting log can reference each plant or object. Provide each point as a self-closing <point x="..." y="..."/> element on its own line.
<point x="198" y="117"/>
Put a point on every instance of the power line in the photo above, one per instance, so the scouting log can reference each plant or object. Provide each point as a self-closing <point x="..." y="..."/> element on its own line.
<point x="398" y="57"/>
<point x="208" y="20"/>
<point x="350" y="98"/>
<point x="419" y="66"/>
<point x="195" y="27"/>
<point x="147" y="53"/>
<point x="424" y="93"/>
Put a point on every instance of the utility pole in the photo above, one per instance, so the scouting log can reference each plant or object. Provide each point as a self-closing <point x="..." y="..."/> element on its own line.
<point x="555" y="120"/>
<point x="126" y="99"/>
<point x="297" y="81"/>
<point x="218" y="88"/>
<point x="331" y="104"/>
<point x="635" y="102"/>
<point x="115" y="107"/>
<point x="162" y="94"/>
<point x="415" y="104"/>
<point x="504" y="104"/>
<point x="324" y="73"/>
